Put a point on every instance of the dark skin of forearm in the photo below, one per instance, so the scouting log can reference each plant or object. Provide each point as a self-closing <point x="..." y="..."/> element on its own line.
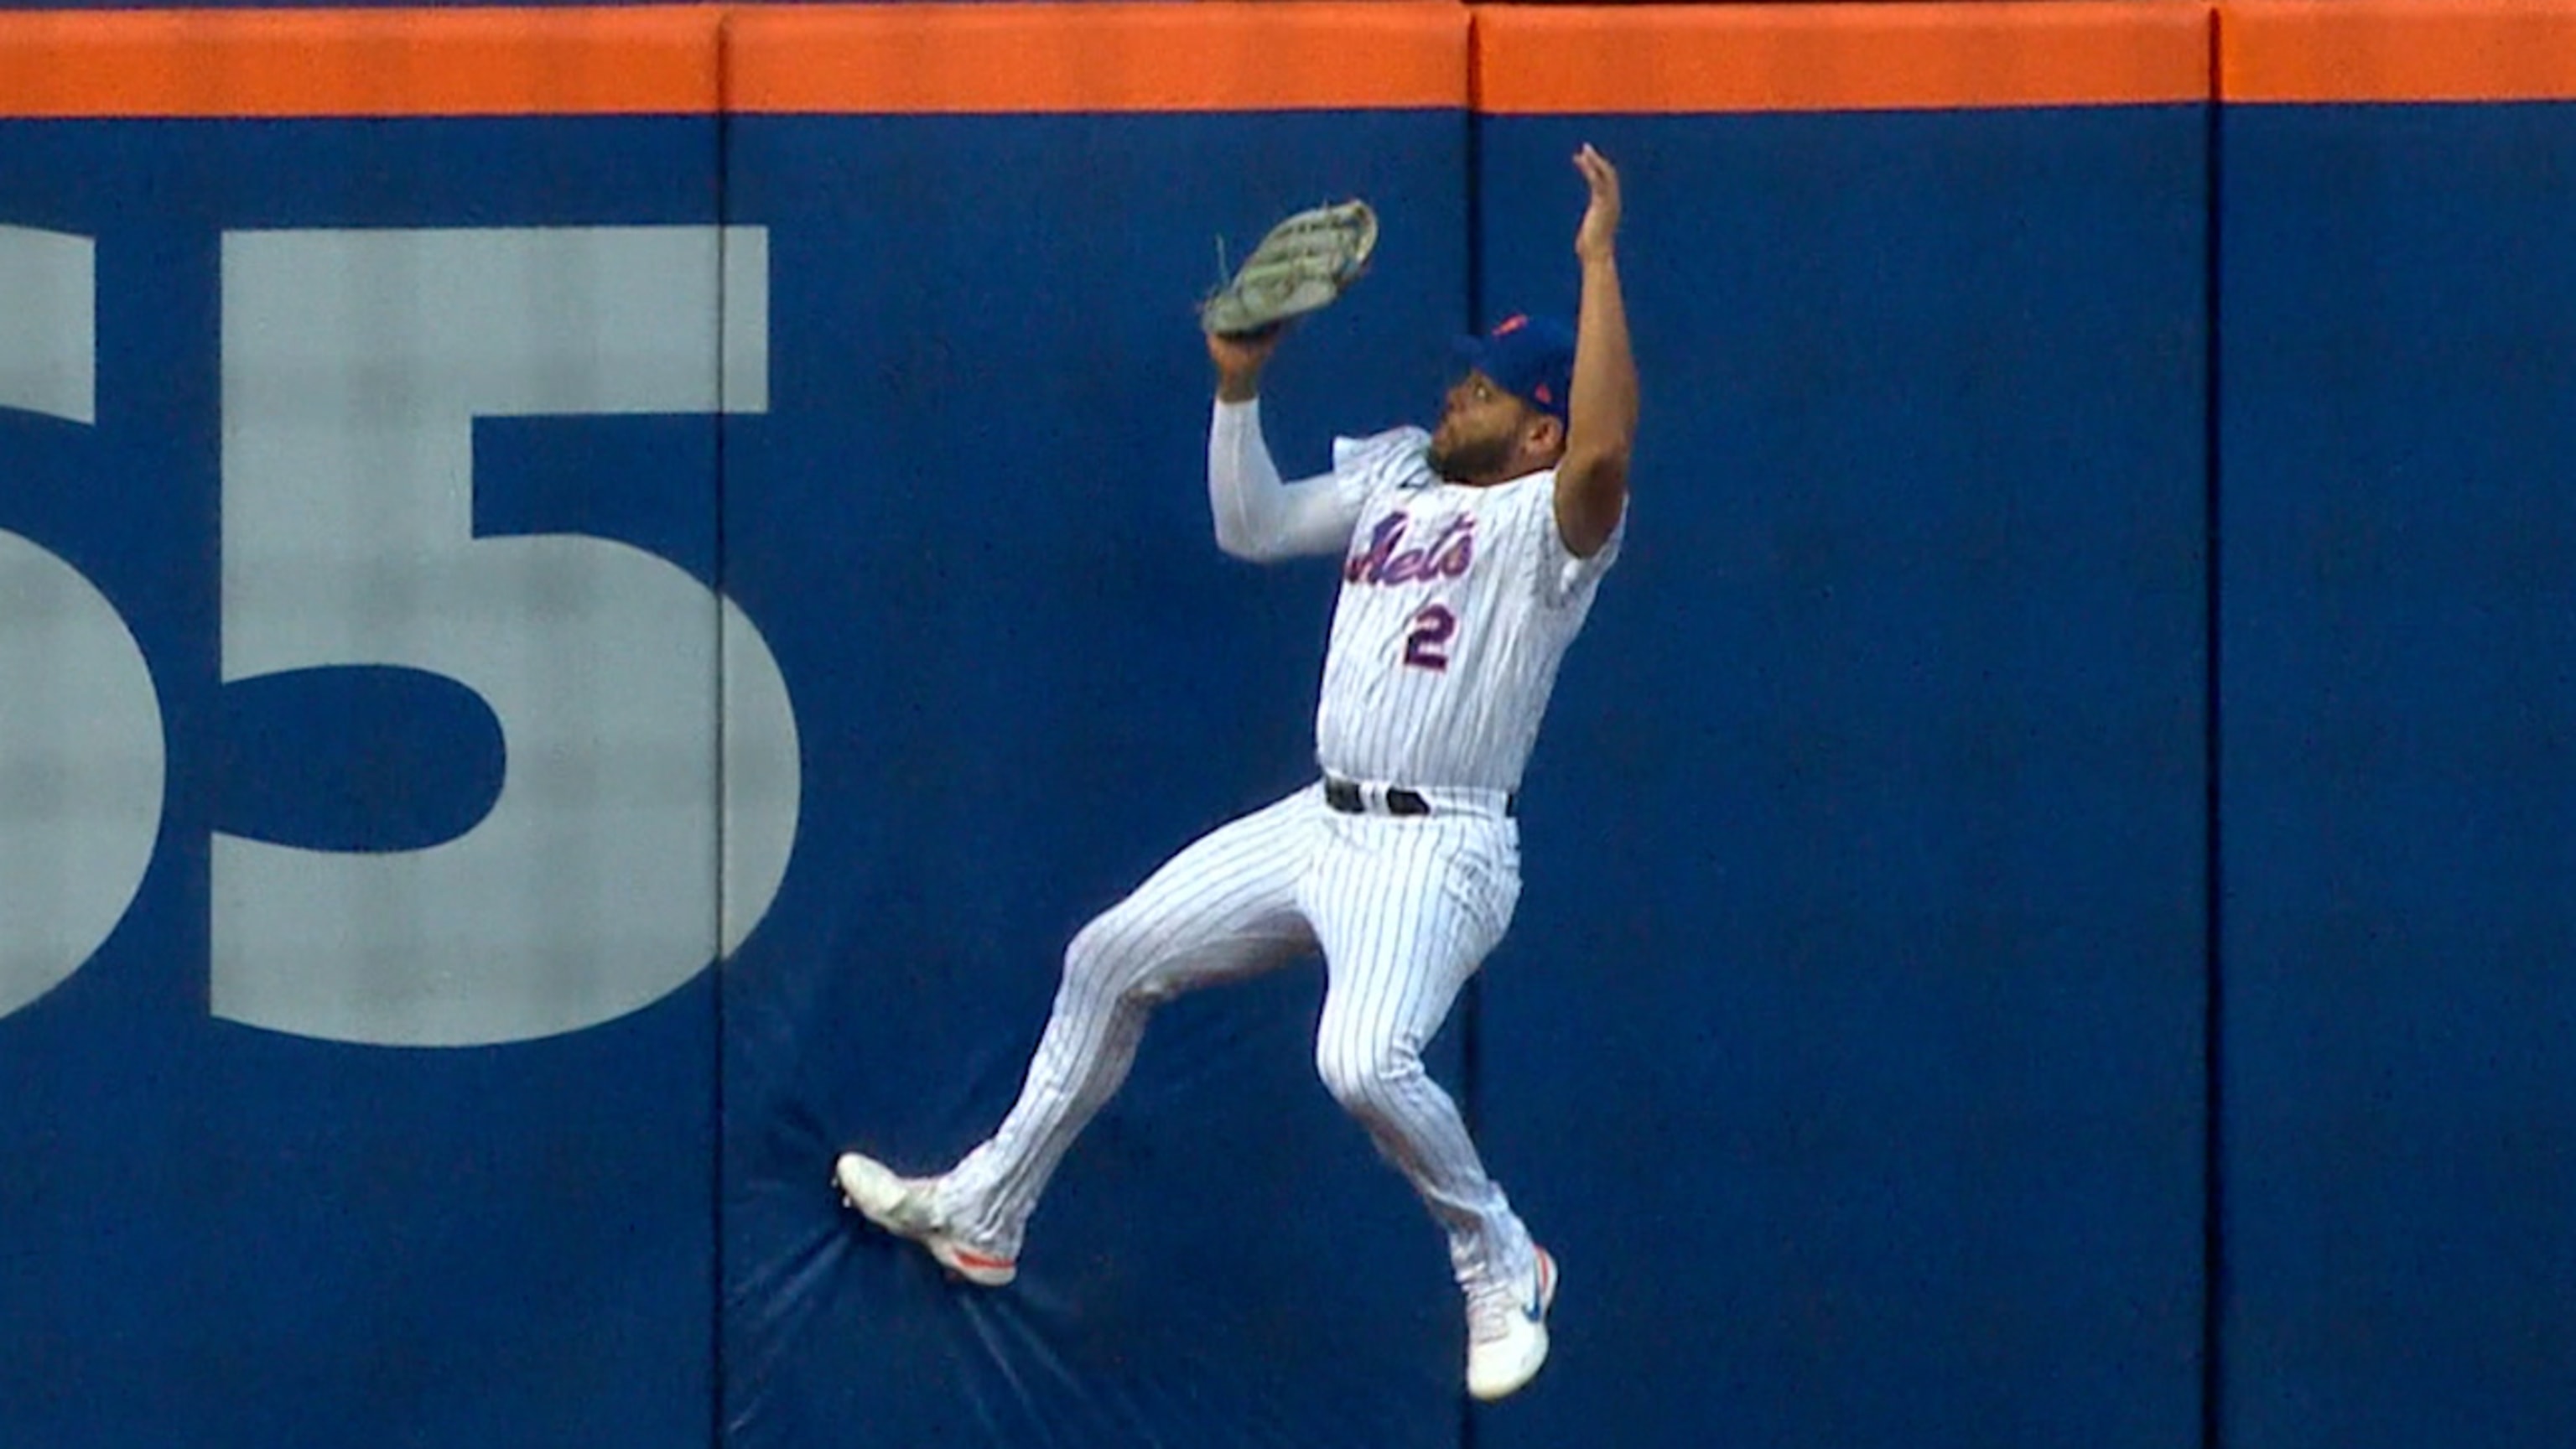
<point x="1239" y="361"/>
<point x="1601" y="413"/>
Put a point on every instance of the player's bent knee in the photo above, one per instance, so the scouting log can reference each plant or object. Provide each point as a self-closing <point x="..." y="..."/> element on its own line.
<point x="1097" y="950"/>
<point x="1109" y="959"/>
<point x="1366" y="1078"/>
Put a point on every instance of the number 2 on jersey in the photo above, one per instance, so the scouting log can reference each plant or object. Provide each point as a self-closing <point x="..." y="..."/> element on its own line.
<point x="1426" y="645"/>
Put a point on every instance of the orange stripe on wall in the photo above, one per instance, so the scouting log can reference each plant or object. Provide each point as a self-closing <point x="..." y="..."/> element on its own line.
<point x="2397" y="50"/>
<point x="577" y="61"/>
<point x="1325" y="54"/>
<point x="1789" y="57"/>
<point x="1236" y="55"/>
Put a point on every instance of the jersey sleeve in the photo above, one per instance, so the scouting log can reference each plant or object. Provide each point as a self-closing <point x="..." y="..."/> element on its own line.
<point x="1561" y="577"/>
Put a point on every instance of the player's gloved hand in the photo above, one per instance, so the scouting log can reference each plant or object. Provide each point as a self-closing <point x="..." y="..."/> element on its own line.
<point x="1302" y="265"/>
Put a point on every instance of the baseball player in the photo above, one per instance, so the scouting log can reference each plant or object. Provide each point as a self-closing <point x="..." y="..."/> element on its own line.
<point x="1471" y="557"/>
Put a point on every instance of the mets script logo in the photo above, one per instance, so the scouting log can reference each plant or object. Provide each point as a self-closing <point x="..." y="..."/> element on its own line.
<point x="1387" y="561"/>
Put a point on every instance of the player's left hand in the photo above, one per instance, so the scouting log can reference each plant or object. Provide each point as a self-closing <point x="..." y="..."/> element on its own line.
<point x="1594" y="239"/>
<point x="1240" y="357"/>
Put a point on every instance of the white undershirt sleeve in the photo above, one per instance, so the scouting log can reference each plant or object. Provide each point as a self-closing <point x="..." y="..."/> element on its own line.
<point x="1257" y="516"/>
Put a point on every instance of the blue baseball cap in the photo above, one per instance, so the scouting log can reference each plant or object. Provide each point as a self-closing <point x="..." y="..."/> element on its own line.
<point x="1532" y="358"/>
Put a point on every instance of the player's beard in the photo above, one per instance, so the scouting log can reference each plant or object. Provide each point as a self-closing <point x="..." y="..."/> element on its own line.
<point x="1470" y="460"/>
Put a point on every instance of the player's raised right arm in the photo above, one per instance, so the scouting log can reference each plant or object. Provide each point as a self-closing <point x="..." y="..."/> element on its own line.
<point x="1258" y="517"/>
<point x="1592" y="477"/>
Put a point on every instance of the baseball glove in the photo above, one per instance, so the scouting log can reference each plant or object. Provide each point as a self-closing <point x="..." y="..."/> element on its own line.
<point x="1305" y="263"/>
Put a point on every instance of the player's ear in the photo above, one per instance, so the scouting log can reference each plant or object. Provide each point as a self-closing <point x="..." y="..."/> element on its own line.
<point x="1546" y="435"/>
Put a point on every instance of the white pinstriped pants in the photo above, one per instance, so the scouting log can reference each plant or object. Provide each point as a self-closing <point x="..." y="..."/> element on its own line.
<point x="1403" y="909"/>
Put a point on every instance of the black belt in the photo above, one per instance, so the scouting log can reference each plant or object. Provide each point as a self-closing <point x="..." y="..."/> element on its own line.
<point x="1345" y="796"/>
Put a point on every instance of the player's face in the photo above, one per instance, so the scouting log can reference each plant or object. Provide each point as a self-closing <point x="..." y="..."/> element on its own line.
<point x="1484" y="435"/>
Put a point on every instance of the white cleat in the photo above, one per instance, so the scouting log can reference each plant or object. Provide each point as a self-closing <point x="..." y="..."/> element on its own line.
<point x="1507" y="1332"/>
<point x="902" y="1206"/>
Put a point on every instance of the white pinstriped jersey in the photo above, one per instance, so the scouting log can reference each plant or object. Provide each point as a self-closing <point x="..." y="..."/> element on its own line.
<point x="1457" y="605"/>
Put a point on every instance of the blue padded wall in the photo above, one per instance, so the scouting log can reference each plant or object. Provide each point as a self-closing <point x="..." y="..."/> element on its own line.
<point x="226" y="1236"/>
<point x="1848" y="1048"/>
<point x="2400" y="1084"/>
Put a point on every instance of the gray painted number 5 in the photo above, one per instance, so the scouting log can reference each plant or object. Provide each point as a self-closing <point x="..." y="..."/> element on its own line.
<point x="354" y="365"/>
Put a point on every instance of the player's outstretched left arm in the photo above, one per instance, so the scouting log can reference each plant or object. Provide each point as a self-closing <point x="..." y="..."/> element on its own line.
<point x="1601" y="415"/>
<point x="1258" y="517"/>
